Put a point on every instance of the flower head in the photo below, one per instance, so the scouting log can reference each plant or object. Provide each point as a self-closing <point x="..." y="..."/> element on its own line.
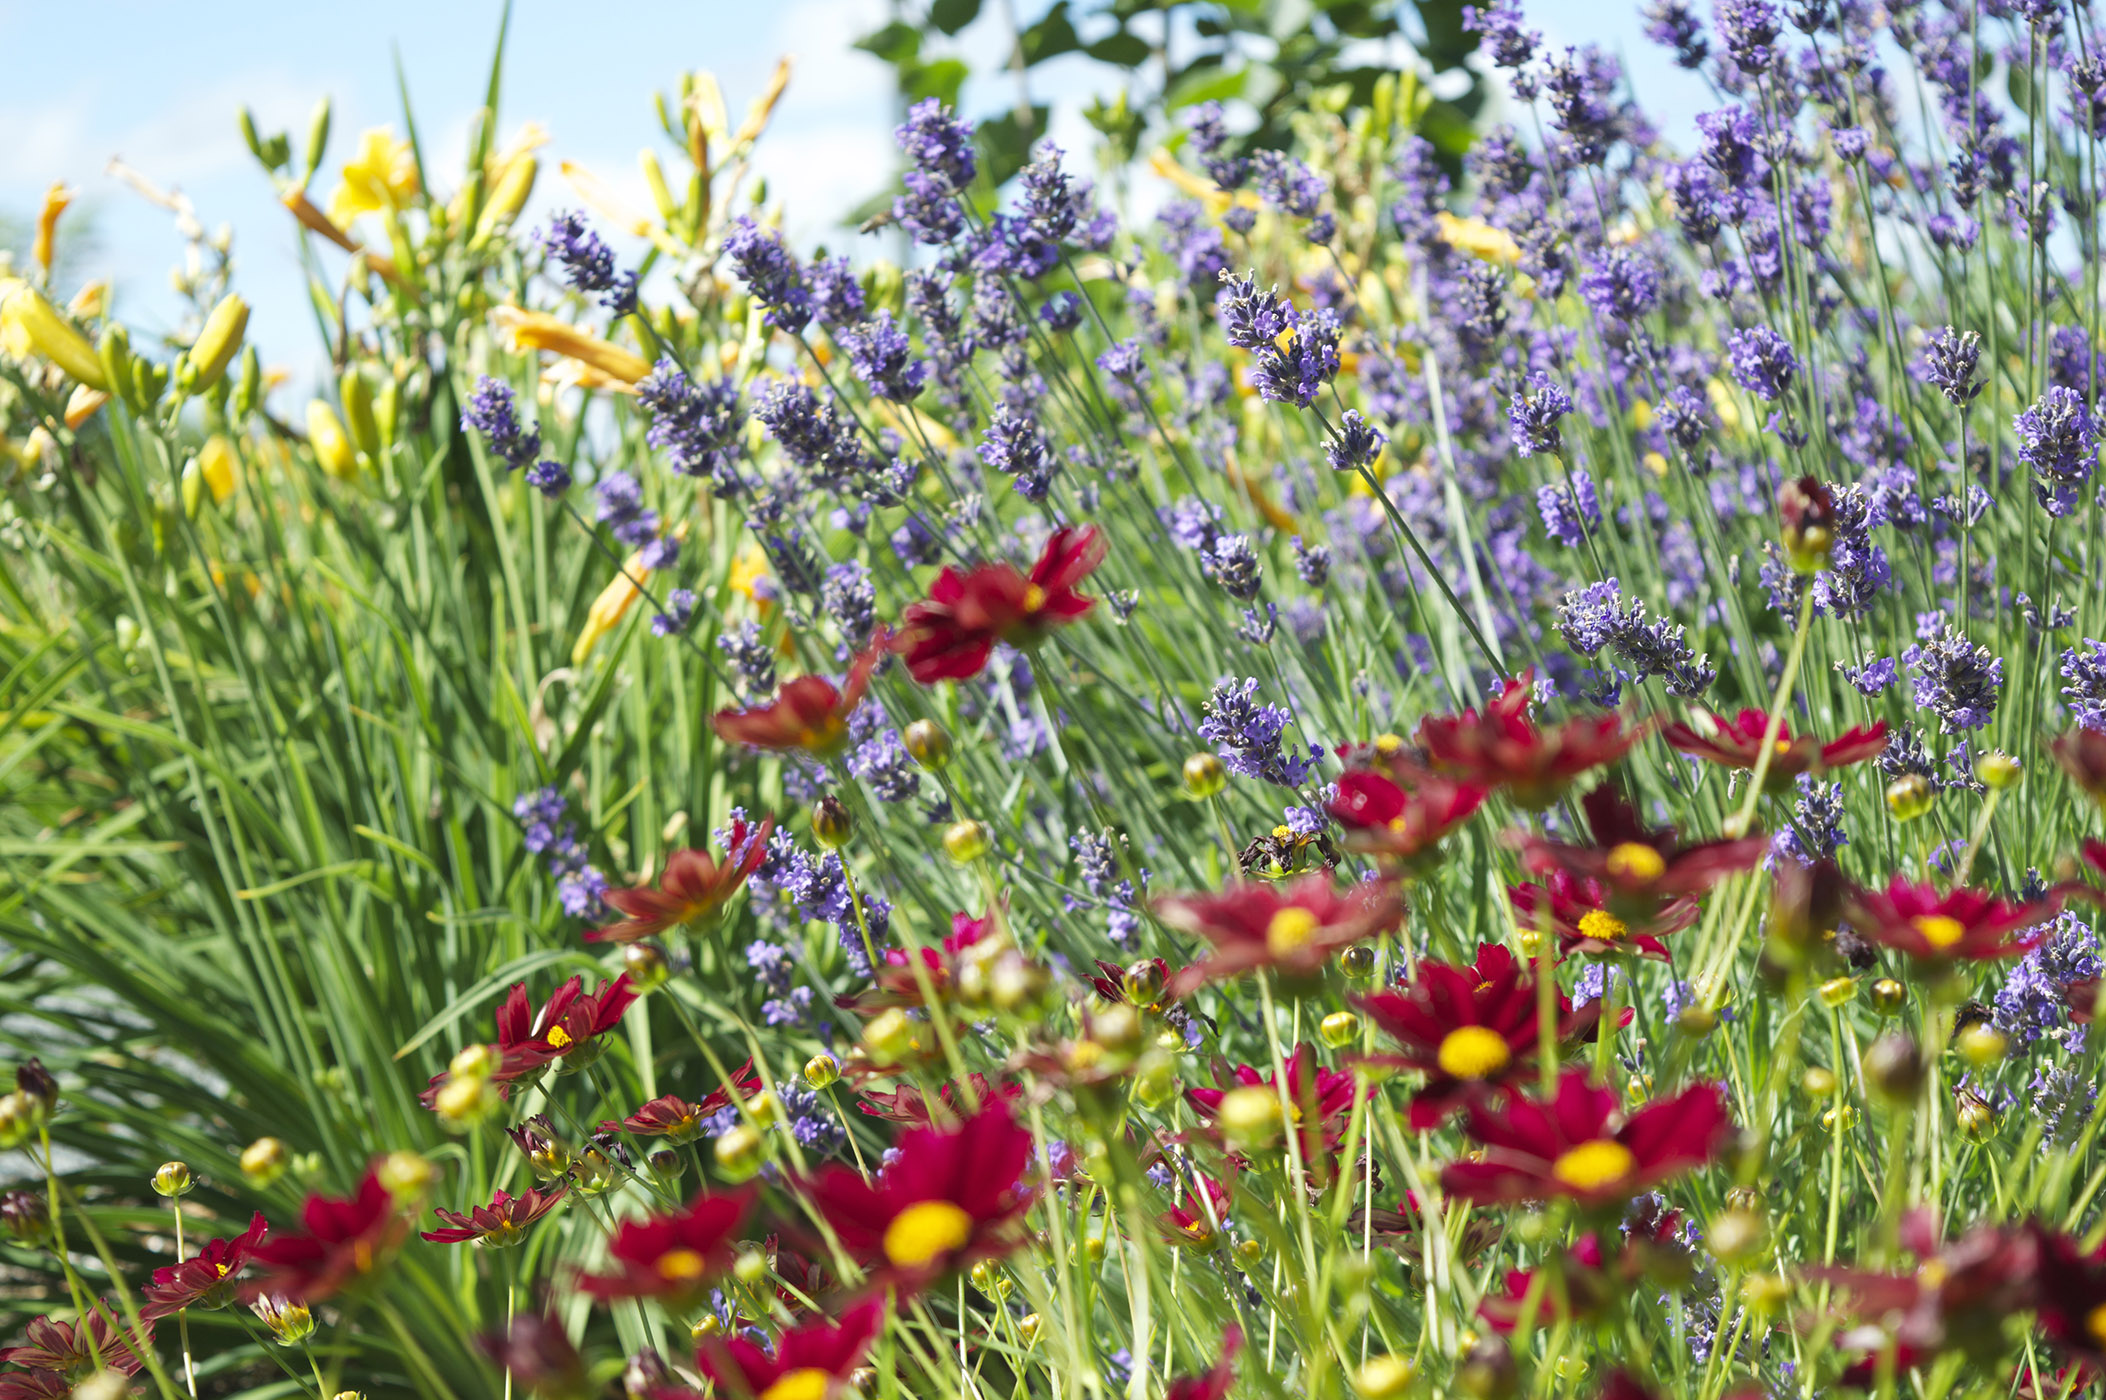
<point x="809" y="714"/>
<point x="1640" y="866"/>
<point x="1319" y="1102"/>
<point x="951" y="635"/>
<point x="1384" y="818"/>
<point x="1737" y="743"/>
<point x="2072" y="1296"/>
<point x="1295" y="928"/>
<point x="1962" y="923"/>
<point x="1499" y="746"/>
<point x="676" y="1120"/>
<point x="1579" y="913"/>
<point x="499" y="1224"/>
<point x="341" y="1240"/>
<point x="1582" y="1147"/>
<point x="206" y="1279"/>
<point x="694" y="886"/>
<point x="568" y="1028"/>
<point x="671" y="1257"/>
<point x="812" y="1362"/>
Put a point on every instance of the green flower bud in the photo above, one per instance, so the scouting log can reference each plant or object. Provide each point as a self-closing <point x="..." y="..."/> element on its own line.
<point x="738" y="1151"/>
<point x="1249" y="1117"/>
<point x="172" y="1179"/>
<point x="965" y="841"/>
<point x="1339" y="1029"/>
<point x="263" y="1161"/>
<point x="1204" y="775"/>
<point x="928" y="744"/>
<point x="646" y="967"/>
<point x="1910" y="796"/>
<point x="832" y="822"/>
<point x="822" y="1071"/>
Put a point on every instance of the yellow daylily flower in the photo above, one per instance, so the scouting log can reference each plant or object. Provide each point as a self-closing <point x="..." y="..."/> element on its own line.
<point x="83" y="403"/>
<point x="383" y="175"/>
<point x="35" y="324"/>
<point x="55" y="201"/>
<point x="614" y="602"/>
<point x="537" y="330"/>
<point x="1478" y="238"/>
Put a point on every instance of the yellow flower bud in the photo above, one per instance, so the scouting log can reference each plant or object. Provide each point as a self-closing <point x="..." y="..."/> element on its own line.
<point x="51" y="335"/>
<point x="1204" y="775"/>
<point x="325" y="434"/>
<point x="822" y="1071"/>
<point x="1383" y="1377"/>
<point x="1249" y="1116"/>
<point x="217" y="344"/>
<point x="263" y="1161"/>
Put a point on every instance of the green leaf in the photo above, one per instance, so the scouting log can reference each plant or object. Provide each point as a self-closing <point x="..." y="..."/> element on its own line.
<point x="1121" y="49"/>
<point x="941" y="80"/>
<point x="1209" y="84"/>
<point x="897" y="43"/>
<point x="950" y="16"/>
<point x="1051" y="37"/>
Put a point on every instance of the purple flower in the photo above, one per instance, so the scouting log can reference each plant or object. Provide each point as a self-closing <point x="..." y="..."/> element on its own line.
<point x="1014" y="446"/>
<point x="2085" y="670"/>
<point x="1248" y="736"/>
<point x="1622" y="286"/>
<point x="1949" y="364"/>
<point x="1955" y="680"/>
<point x="1533" y="415"/>
<point x="588" y="264"/>
<point x="883" y="358"/>
<point x="1670" y="24"/>
<point x="1355" y="445"/>
<point x="700" y="427"/>
<point x="679" y="610"/>
<point x="1230" y="562"/>
<point x="770" y="273"/>
<point x="837" y="295"/>
<point x="1762" y="362"/>
<point x="2059" y="441"/>
<point x="492" y="412"/>
<point x="1569" y="511"/>
<point x="937" y="144"/>
<point x="1501" y="32"/>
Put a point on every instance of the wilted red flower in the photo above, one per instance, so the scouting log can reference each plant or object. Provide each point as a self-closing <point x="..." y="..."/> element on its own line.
<point x="206" y="1278"/>
<point x="1640" y="866"/>
<point x="693" y="887"/>
<point x="341" y="1240"/>
<point x="1737" y="743"/>
<point x="949" y="1199"/>
<point x="1936" y="928"/>
<point x="1383" y="818"/>
<point x="811" y="1362"/>
<point x="1295" y="928"/>
<point x="71" y="1352"/>
<point x="2072" y="1298"/>
<point x="807" y="713"/>
<point x="1580" y="916"/>
<point x="1501" y="747"/>
<point x="1957" y="1298"/>
<point x="897" y="984"/>
<point x="1580" y="1146"/>
<point x="500" y="1224"/>
<point x="1319" y="1102"/>
<point x="1213" y="1384"/>
<point x="671" y="1256"/>
<point x="675" y="1119"/>
<point x="908" y="1104"/>
<point x="567" y="1029"/>
<point x="2082" y="754"/>
<point x="1465" y="1028"/>
<point x="949" y="637"/>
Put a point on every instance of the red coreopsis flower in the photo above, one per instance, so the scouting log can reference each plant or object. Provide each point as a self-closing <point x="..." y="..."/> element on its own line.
<point x="1196" y="1222"/>
<point x="1384" y="818"/>
<point x="949" y="637"/>
<point x="897" y="983"/>
<point x="536" y="1352"/>
<point x="1957" y="1298"/>
<point x="1319" y="1104"/>
<point x="2082" y="754"/>
<point x="812" y="1362"/>
<point x="1295" y="928"/>
<point x="1737" y="743"/>
<point x="1499" y="746"/>
<point x="909" y="1105"/>
<point x="1581" y="1147"/>
<point x="1215" y="1382"/>
<point x="206" y="1279"/>
<point x="2072" y="1296"/>
<point x="808" y="714"/>
<point x="567" y="1029"/>
<point x="1579" y="914"/>
<point x="341" y="1240"/>
<point x="1937" y="928"/>
<point x="1640" y="867"/>
<point x="949" y="1199"/>
<point x="694" y="886"/>
<point x="671" y="1257"/>
<point x="676" y="1120"/>
<point x="1594" y="1281"/>
<point x="498" y="1225"/>
<point x="67" y="1353"/>
<point x="1465" y="1028"/>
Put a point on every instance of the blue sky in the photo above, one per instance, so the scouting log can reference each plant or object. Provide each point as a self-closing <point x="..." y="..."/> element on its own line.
<point x="159" y="85"/>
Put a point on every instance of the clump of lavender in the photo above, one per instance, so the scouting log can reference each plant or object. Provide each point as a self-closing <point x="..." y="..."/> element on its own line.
<point x="699" y="427"/>
<point x="1533" y="415"/>
<point x="547" y="832"/>
<point x="771" y="274"/>
<point x="1954" y="679"/>
<point x="1231" y="562"/>
<point x="493" y="413"/>
<point x="883" y="358"/>
<point x="1950" y="363"/>
<point x="1015" y="446"/>
<point x="1097" y="861"/>
<point x="1248" y="736"/>
<point x="2084" y="668"/>
<point x="588" y="263"/>
<point x="1816" y="832"/>
<point x="1596" y="617"/>
<point x="1569" y="511"/>
<point x="2030" y="1004"/>
<point x="2059" y="441"/>
<point x="1762" y="362"/>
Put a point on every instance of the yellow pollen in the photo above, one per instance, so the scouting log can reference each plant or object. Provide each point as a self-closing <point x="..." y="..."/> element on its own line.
<point x="1939" y="930"/>
<point x="1034" y="597"/>
<point x="804" y="1383"/>
<point x="1594" y="1165"/>
<point x="558" y="1037"/>
<point x="221" y="1270"/>
<point x="1281" y="833"/>
<point x="1602" y="925"/>
<point x="1632" y="861"/>
<point x="1784" y="746"/>
<point x="1290" y="930"/>
<point x="2095" y="1320"/>
<point x="682" y="1265"/>
<point x="1934" y="1273"/>
<point x="1387" y="744"/>
<point x="925" y="1231"/>
<point x="362" y="1256"/>
<point x="1473" y="1052"/>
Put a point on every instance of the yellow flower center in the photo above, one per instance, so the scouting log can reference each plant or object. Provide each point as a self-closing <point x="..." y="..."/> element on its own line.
<point x="1594" y="1165"/>
<point x="1784" y="746"/>
<point x="1034" y="597"/>
<point x="682" y="1265"/>
<point x="925" y="1231"/>
<point x="1290" y="930"/>
<point x="804" y="1383"/>
<point x="1601" y="924"/>
<point x="2095" y="1320"/>
<point x="1473" y="1052"/>
<point x="1633" y="861"/>
<point x="558" y="1037"/>
<point x="1386" y="744"/>
<point x="221" y="1270"/>
<point x="1939" y="930"/>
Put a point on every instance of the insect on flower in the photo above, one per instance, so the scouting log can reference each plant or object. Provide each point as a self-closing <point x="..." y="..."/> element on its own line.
<point x="1466" y="1029"/>
<point x="949" y="1199"/>
<point x="1294" y="928"/>
<point x="693" y="887"/>
<point x="670" y="1257"/>
<point x="949" y="636"/>
<point x="204" y="1280"/>
<point x="812" y="1362"/>
<point x="498" y="1225"/>
<point x="1737" y="743"/>
<point x="808" y="714"/>
<point x="341" y="1240"/>
<point x="1580" y="1146"/>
